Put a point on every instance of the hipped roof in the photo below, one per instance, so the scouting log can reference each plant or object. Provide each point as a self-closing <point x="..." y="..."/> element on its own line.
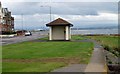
<point x="59" y="22"/>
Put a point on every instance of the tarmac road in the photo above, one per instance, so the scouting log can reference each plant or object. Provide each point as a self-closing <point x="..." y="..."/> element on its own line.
<point x="6" y="41"/>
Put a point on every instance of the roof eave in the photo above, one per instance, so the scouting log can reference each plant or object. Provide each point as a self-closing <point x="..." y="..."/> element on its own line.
<point x="59" y="25"/>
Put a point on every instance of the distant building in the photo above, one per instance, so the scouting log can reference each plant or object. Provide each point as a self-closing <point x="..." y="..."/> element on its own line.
<point x="6" y="20"/>
<point x="59" y="30"/>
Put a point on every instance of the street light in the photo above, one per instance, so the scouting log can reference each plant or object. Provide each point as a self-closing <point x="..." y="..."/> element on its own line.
<point x="22" y="20"/>
<point x="50" y="10"/>
<point x="22" y="23"/>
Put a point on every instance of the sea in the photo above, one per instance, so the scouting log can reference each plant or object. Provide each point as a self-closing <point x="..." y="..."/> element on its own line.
<point x="95" y="31"/>
<point x="88" y="31"/>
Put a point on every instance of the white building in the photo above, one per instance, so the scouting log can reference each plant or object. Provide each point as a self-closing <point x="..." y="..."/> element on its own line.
<point x="59" y="30"/>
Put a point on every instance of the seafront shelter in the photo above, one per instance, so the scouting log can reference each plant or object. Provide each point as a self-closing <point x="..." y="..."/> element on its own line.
<point x="59" y="29"/>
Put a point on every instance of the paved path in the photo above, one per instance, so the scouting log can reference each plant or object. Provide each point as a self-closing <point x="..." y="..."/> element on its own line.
<point x="72" y="68"/>
<point x="82" y="67"/>
<point x="97" y="62"/>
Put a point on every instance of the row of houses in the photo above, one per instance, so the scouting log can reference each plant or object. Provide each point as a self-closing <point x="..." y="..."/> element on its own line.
<point x="6" y="21"/>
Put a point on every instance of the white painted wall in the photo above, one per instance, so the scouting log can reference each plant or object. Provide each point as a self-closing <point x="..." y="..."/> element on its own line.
<point x="67" y="33"/>
<point x="50" y="33"/>
<point x="70" y="32"/>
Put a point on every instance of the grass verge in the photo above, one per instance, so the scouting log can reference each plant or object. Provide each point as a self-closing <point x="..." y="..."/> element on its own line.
<point x="30" y="67"/>
<point x="73" y="37"/>
<point x="44" y="50"/>
<point x="110" y="43"/>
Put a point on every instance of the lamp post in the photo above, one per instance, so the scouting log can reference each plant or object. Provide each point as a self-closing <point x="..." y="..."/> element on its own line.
<point x="49" y="10"/>
<point x="22" y="22"/>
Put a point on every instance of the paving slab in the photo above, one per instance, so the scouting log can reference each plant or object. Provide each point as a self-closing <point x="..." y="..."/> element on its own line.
<point x="72" y="68"/>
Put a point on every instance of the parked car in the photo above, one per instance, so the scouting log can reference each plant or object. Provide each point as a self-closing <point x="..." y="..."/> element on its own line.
<point x="28" y="33"/>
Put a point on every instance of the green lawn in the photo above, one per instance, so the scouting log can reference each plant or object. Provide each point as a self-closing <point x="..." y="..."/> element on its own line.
<point x="28" y="50"/>
<point x="110" y="43"/>
<point x="45" y="38"/>
<point x="44" y="50"/>
<point x="0" y="59"/>
<point x="77" y="37"/>
<point x="30" y="67"/>
<point x="73" y="37"/>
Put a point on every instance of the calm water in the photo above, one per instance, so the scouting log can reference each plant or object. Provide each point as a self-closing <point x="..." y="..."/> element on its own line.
<point x="95" y="31"/>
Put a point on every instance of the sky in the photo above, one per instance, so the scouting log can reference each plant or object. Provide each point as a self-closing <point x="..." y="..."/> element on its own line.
<point x="81" y="13"/>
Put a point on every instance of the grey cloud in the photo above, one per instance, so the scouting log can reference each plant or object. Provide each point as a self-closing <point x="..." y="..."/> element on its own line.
<point x="66" y="8"/>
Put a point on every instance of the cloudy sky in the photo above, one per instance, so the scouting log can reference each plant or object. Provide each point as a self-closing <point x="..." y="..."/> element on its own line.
<point x="81" y="13"/>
